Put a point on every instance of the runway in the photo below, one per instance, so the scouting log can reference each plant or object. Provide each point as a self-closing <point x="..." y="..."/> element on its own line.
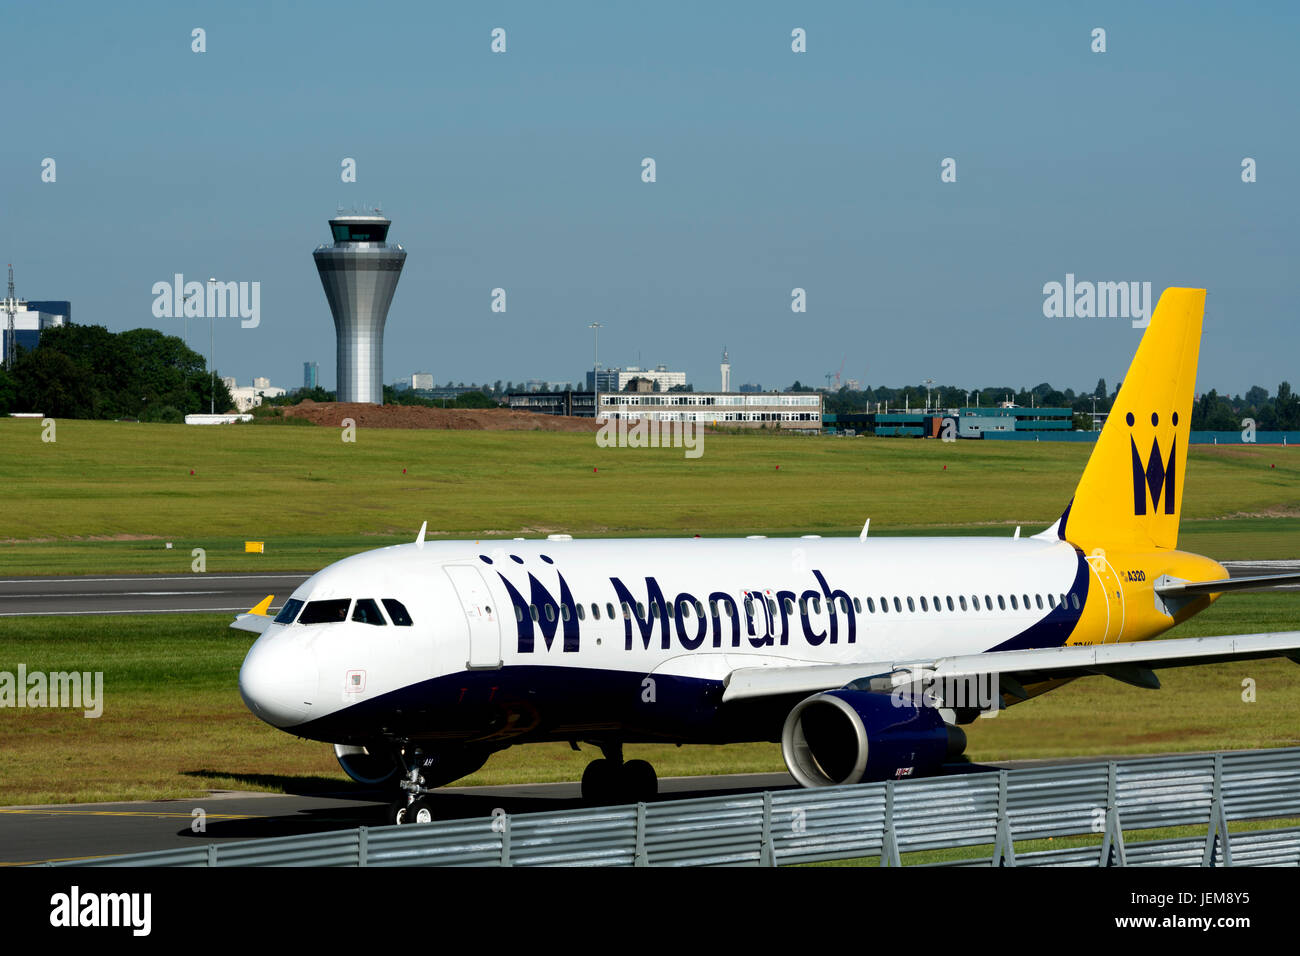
<point x="144" y="594"/>
<point x="235" y="593"/>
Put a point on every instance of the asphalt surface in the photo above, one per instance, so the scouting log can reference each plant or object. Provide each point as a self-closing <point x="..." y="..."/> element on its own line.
<point x="82" y="831"/>
<point x="235" y="593"/>
<point x="144" y="594"/>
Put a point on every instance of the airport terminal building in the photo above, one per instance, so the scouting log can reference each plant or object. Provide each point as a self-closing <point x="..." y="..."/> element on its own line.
<point x="787" y="411"/>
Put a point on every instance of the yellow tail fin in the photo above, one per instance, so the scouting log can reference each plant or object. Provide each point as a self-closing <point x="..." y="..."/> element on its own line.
<point x="1131" y="494"/>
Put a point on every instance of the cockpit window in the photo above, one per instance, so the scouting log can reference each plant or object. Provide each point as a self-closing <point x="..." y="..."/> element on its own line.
<point x="325" y="612"/>
<point x="367" y="612"/>
<point x="289" y="611"/>
<point x="397" y="612"/>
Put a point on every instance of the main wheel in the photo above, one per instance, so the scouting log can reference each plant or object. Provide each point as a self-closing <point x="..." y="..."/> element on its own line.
<point x="397" y="811"/>
<point x="600" y="781"/>
<point x="420" y="811"/>
<point x="640" y="783"/>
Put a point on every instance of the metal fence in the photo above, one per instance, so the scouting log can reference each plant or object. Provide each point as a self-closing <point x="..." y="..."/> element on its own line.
<point x="985" y="815"/>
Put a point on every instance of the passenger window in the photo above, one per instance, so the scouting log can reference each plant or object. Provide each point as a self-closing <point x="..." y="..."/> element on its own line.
<point x="367" y="612"/>
<point x="789" y="606"/>
<point x="397" y="612"/>
<point x="609" y="608"/>
<point x="749" y="607"/>
<point x="289" y="611"/>
<point x="1013" y="603"/>
<point x="564" y="612"/>
<point x="911" y="605"/>
<point x="871" y="606"/>
<point x="595" y="611"/>
<point x="961" y="601"/>
<point x="988" y="602"/>
<point x="685" y="608"/>
<point x="627" y="611"/>
<point x="519" y="614"/>
<point x="1039" y="599"/>
<point x="898" y="605"/>
<point x="771" y="607"/>
<point x="326" y="612"/>
<point x="925" y="605"/>
<point x="857" y="604"/>
<point x="844" y="605"/>
<point x="532" y="611"/>
<point x="1002" y="603"/>
<point x="640" y="611"/>
<point x="950" y="604"/>
<point x="550" y="612"/>
<point x="699" y="609"/>
<point x="1074" y="601"/>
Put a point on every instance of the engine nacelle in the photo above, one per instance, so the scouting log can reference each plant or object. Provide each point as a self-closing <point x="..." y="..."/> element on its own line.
<point x="371" y="769"/>
<point x="853" y="736"/>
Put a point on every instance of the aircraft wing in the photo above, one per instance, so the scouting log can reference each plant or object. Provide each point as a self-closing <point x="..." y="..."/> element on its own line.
<point x="256" y="620"/>
<point x="1131" y="662"/>
<point x="1262" y="582"/>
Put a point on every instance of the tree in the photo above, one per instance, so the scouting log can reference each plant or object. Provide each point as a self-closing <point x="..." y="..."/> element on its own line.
<point x="1100" y="391"/>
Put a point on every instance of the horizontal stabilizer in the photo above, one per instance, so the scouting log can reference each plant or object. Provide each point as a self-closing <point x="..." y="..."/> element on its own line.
<point x="1263" y="582"/>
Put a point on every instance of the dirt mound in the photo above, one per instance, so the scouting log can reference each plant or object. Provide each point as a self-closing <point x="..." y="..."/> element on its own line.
<point x="417" y="416"/>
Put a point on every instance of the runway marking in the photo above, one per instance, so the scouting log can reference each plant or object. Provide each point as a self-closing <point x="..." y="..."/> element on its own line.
<point x="161" y="577"/>
<point x="153" y="610"/>
<point x="39" y="811"/>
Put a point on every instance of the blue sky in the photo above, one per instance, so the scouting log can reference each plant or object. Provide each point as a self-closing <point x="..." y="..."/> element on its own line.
<point x="775" y="170"/>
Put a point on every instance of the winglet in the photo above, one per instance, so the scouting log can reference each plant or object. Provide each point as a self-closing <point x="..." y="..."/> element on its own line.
<point x="862" y="536"/>
<point x="262" y="606"/>
<point x="419" y="539"/>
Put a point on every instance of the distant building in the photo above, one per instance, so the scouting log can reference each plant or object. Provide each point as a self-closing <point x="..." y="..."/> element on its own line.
<point x="29" y="323"/>
<point x="581" y="404"/>
<point x="310" y="375"/>
<point x="606" y="380"/>
<point x="788" y="411"/>
<point x="659" y="375"/>
<point x="726" y="370"/>
<point x="422" y="380"/>
<point x="749" y="388"/>
<point x="248" y="397"/>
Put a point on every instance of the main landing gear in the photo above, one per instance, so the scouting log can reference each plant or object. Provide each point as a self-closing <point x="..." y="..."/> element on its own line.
<point x="609" y="780"/>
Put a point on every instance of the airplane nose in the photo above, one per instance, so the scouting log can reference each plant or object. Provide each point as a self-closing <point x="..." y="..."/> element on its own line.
<point x="278" y="680"/>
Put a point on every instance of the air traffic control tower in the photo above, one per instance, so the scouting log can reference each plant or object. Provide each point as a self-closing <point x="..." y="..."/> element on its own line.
<point x="360" y="273"/>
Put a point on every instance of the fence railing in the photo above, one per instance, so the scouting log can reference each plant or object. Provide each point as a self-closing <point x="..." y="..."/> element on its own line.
<point x="993" y="811"/>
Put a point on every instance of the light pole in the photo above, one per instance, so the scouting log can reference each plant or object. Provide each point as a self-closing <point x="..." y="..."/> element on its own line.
<point x="212" y="406"/>
<point x="595" y="370"/>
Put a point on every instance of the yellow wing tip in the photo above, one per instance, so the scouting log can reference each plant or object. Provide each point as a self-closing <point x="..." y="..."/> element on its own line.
<point x="263" y="606"/>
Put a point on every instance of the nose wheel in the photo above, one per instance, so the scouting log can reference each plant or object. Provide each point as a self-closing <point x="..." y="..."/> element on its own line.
<point x="611" y="780"/>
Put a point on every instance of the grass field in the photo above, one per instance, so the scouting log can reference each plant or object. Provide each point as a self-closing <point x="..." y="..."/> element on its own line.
<point x="107" y="496"/>
<point x="173" y="723"/>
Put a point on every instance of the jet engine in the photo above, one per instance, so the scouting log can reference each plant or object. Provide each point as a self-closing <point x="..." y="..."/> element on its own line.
<point x="372" y="769"/>
<point x="853" y="736"/>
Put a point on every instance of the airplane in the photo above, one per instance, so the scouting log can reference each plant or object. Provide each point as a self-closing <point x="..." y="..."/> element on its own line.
<point x="863" y="656"/>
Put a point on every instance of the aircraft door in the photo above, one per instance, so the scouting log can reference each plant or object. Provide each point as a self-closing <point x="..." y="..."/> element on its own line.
<point x="1107" y="581"/>
<point x="483" y="618"/>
